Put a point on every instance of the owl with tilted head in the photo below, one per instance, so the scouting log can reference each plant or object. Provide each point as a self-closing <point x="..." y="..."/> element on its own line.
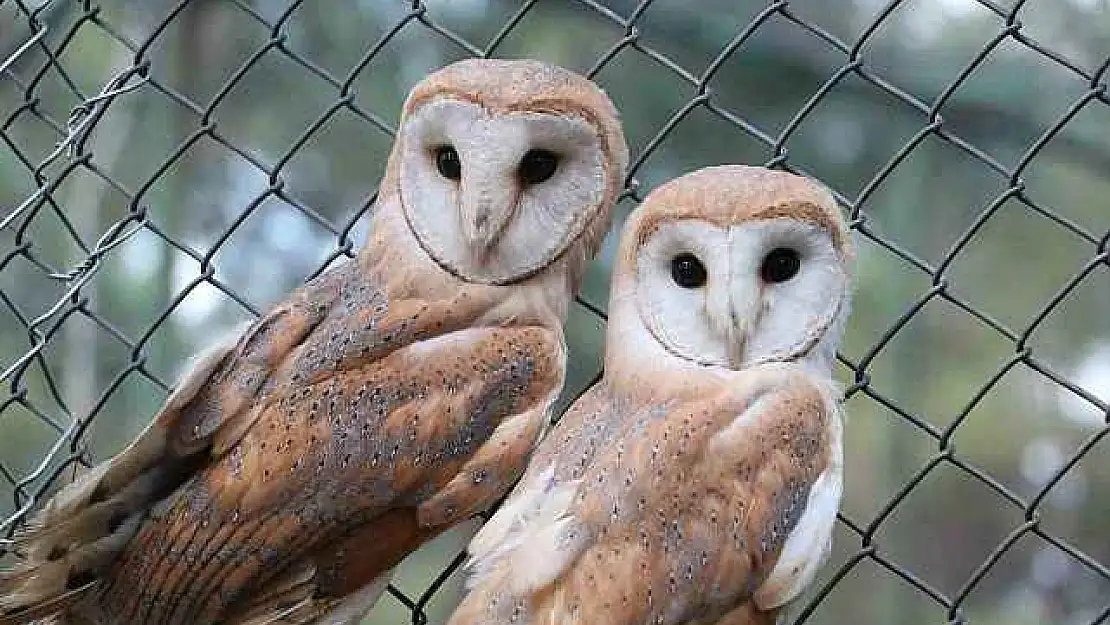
<point x="296" y="463"/>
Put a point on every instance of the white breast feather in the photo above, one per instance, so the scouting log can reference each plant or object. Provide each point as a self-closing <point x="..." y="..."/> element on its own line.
<point x="527" y="538"/>
<point x="808" y="545"/>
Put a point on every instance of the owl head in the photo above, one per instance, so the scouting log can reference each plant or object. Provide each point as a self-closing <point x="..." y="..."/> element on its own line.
<point x="502" y="167"/>
<point x="731" y="267"/>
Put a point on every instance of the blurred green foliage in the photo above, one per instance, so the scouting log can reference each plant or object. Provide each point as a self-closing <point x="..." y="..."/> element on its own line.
<point x="231" y="92"/>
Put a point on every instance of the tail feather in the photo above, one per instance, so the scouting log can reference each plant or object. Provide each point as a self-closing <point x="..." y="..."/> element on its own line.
<point x="75" y="536"/>
<point x="41" y="612"/>
<point x="81" y="530"/>
<point x="96" y="518"/>
<point x="294" y="604"/>
<point x="281" y="597"/>
<point x="148" y="450"/>
<point x="31" y="584"/>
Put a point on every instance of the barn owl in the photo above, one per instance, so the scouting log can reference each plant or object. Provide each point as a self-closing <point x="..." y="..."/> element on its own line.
<point x="399" y="393"/>
<point x="698" y="481"/>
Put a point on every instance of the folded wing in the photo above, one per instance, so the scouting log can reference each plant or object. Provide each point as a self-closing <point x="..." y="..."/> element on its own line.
<point x="717" y="509"/>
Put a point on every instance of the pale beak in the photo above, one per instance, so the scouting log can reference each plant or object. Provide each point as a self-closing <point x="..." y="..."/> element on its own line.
<point x="745" y="300"/>
<point x="744" y="308"/>
<point x="488" y="203"/>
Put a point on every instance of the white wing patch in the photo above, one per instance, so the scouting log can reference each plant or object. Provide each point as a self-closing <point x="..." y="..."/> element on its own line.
<point x="808" y="545"/>
<point x="532" y="538"/>
<point x="508" y="522"/>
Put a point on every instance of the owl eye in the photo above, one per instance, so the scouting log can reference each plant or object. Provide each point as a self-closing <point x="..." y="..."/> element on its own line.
<point x="448" y="163"/>
<point x="780" y="265"/>
<point x="537" y="166"/>
<point x="687" y="271"/>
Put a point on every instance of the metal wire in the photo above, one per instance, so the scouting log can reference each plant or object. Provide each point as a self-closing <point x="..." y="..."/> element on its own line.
<point x="71" y="156"/>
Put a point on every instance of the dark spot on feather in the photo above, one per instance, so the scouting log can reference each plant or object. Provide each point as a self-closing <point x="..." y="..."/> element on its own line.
<point x="116" y="520"/>
<point x="79" y="579"/>
<point x="99" y="494"/>
<point x="57" y="552"/>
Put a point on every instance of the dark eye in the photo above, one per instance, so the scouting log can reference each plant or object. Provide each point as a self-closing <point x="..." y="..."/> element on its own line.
<point x="780" y="264"/>
<point x="537" y="166"/>
<point x="687" y="271"/>
<point x="448" y="163"/>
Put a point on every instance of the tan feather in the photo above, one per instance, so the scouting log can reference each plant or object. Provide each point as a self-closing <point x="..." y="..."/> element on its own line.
<point x="293" y="467"/>
<point x="679" y="491"/>
<point x="44" y="612"/>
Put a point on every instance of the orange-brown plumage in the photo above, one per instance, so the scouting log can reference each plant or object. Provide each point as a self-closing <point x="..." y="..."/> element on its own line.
<point x="294" y="466"/>
<point x="316" y="432"/>
<point x="670" y="515"/>
<point x="683" y="489"/>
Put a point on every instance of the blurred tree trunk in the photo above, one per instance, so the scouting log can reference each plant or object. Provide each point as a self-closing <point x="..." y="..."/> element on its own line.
<point x="199" y="43"/>
<point x="84" y="205"/>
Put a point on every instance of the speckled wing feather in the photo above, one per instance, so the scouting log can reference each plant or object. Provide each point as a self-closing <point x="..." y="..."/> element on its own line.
<point x="545" y="492"/>
<point x="341" y="414"/>
<point x="713" y="508"/>
<point x="82" y="528"/>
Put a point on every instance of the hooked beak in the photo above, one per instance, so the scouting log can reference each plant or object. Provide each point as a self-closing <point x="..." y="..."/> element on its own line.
<point x="737" y="302"/>
<point x="743" y="309"/>
<point x="487" y="206"/>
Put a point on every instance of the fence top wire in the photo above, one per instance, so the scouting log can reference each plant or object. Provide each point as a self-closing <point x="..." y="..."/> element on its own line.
<point x="43" y="74"/>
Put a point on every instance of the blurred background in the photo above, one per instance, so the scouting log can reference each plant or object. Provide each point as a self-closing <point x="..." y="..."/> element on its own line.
<point x="170" y="169"/>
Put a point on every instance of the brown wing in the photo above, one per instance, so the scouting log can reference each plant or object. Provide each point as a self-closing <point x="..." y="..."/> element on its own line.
<point x="680" y="517"/>
<point x="322" y="340"/>
<point x="556" y="467"/>
<point x="83" y="527"/>
<point x="361" y="453"/>
<point x="745" y="614"/>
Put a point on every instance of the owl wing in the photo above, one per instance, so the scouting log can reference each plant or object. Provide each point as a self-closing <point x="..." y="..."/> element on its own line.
<point x="548" y="486"/>
<point x="690" y="511"/>
<point x="336" y="323"/>
<point x="293" y="601"/>
<point x="86" y="523"/>
<point x="339" y="480"/>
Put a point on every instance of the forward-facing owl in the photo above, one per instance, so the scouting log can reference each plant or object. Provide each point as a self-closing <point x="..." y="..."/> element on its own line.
<point x="698" y="482"/>
<point x="384" y="401"/>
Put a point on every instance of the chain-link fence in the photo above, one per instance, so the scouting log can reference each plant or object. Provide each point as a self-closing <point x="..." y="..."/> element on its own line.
<point x="167" y="169"/>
